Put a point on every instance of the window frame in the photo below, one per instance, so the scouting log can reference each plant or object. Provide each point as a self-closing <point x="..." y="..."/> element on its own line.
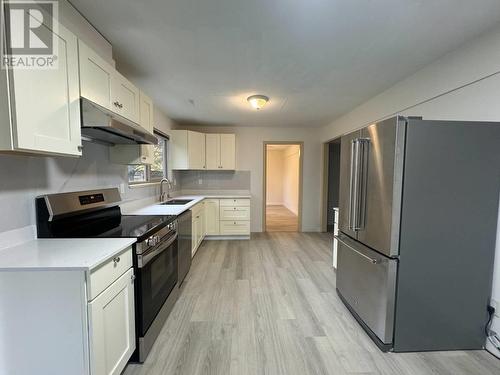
<point x="147" y="167"/>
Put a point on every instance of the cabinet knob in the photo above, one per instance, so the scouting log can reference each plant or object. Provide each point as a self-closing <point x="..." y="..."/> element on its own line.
<point x="132" y="277"/>
<point x="79" y="148"/>
<point x="116" y="260"/>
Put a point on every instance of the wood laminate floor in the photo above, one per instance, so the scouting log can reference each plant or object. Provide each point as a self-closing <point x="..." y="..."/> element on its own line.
<point x="281" y="219"/>
<point x="269" y="306"/>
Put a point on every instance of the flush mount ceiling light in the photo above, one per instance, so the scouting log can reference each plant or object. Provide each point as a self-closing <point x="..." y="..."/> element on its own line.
<point x="258" y="101"/>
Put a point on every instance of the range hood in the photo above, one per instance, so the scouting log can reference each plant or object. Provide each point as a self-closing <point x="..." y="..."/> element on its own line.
<point x="100" y="125"/>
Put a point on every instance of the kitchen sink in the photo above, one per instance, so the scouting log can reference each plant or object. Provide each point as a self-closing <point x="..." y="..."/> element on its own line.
<point x="176" y="202"/>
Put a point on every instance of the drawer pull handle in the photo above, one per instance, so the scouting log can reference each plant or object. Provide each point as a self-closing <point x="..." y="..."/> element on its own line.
<point x="132" y="277"/>
<point x="116" y="260"/>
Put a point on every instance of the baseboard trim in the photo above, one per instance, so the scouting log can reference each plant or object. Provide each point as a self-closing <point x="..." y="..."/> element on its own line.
<point x="219" y="238"/>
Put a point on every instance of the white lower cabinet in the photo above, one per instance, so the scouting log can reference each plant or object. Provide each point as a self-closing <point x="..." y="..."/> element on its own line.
<point x="222" y="217"/>
<point x="112" y="327"/>
<point x="234" y="217"/>
<point x="212" y="217"/>
<point x="235" y="228"/>
<point x="198" y="226"/>
<point x="68" y="321"/>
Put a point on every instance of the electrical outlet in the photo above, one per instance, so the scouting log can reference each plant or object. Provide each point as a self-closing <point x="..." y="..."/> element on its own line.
<point x="122" y="188"/>
<point x="200" y="181"/>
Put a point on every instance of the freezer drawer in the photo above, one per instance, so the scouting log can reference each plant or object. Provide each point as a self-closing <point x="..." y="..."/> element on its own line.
<point x="367" y="282"/>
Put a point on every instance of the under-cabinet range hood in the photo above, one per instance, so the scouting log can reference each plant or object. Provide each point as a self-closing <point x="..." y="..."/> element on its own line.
<point x="103" y="126"/>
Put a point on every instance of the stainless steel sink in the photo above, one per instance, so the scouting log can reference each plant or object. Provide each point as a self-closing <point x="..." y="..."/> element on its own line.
<point x="177" y="202"/>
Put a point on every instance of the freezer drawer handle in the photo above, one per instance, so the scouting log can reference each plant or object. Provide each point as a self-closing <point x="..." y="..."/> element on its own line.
<point x="370" y="259"/>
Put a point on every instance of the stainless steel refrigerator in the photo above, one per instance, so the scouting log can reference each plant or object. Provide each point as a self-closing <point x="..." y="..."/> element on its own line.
<point x="418" y="221"/>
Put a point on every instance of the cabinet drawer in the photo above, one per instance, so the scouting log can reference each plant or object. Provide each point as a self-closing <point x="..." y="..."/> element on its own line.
<point x="234" y="213"/>
<point x="231" y="228"/>
<point x="108" y="272"/>
<point x="235" y="202"/>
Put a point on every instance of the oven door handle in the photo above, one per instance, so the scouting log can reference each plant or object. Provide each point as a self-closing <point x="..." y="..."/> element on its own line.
<point x="149" y="256"/>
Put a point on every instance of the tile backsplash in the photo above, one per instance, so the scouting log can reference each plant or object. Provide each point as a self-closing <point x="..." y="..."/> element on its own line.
<point x="213" y="180"/>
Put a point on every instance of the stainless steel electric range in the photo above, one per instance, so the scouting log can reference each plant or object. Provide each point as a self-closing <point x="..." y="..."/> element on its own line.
<point x="96" y="214"/>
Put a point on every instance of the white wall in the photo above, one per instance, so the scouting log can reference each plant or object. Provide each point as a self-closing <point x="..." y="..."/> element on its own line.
<point x="274" y="181"/>
<point x="249" y="157"/>
<point x="291" y="169"/>
<point x="463" y="85"/>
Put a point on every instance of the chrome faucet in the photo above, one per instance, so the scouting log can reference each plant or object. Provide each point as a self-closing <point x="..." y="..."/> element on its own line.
<point x="162" y="193"/>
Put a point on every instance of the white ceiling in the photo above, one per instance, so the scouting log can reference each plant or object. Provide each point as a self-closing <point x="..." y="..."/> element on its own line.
<point x="315" y="59"/>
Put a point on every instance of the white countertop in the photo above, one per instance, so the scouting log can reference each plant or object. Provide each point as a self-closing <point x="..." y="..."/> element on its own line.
<point x="62" y="254"/>
<point x="158" y="209"/>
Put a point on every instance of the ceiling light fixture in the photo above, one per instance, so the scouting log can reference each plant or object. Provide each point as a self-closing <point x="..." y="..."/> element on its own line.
<point x="258" y="101"/>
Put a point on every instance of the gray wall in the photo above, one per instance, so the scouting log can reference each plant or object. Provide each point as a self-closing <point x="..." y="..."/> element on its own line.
<point x="22" y="178"/>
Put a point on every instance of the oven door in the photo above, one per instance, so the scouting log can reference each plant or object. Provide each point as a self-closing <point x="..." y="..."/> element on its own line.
<point x="156" y="278"/>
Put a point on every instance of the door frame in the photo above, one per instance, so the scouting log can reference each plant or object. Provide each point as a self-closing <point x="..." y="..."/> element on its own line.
<point x="264" y="179"/>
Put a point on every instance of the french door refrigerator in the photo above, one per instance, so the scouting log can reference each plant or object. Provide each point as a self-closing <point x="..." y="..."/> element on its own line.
<point x="418" y="218"/>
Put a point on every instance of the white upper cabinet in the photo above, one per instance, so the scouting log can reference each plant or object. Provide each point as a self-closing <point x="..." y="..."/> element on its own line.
<point x="227" y="151"/>
<point x="188" y="150"/>
<point x="221" y="151"/>
<point x="146" y="112"/>
<point x="40" y="108"/>
<point x="103" y="85"/>
<point x="124" y="97"/>
<point x="137" y="154"/>
<point x="212" y="150"/>
<point x="95" y="76"/>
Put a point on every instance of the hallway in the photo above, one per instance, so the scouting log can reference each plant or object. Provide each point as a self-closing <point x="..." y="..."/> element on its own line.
<point x="281" y="219"/>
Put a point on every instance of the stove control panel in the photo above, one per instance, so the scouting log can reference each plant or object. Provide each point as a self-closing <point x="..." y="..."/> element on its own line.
<point x="153" y="240"/>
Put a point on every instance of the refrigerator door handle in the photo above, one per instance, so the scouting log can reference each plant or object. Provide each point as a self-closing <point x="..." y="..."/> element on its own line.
<point x="352" y="185"/>
<point x="370" y="259"/>
<point x="363" y="149"/>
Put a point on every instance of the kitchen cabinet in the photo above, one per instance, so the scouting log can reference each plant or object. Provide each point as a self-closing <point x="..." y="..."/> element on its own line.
<point x="211" y="216"/>
<point x="69" y="319"/>
<point x="124" y="97"/>
<point x="112" y="326"/>
<point x="137" y="154"/>
<point x="234" y="217"/>
<point x="95" y="76"/>
<point x="188" y="150"/>
<point x="40" y="108"/>
<point x="220" y="151"/>
<point x="227" y="151"/>
<point x="103" y="85"/>
<point x="227" y="217"/>
<point x="198" y="226"/>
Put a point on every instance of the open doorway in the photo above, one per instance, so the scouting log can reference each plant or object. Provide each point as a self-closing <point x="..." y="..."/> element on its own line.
<point x="331" y="190"/>
<point x="333" y="187"/>
<point x="282" y="186"/>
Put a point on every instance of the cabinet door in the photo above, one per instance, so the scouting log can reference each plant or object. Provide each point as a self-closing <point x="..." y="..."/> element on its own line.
<point x="203" y="224"/>
<point x="228" y="151"/>
<point x="46" y="102"/>
<point x="196" y="150"/>
<point x="194" y="234"/>
<point x="212" y="153"/>
<point x="112" y="327"/>
<point x="212" y="216"/>
<point x="146" y="112"/>
<point x="146" y="121"/>
<point x="124" y="97"/>
<point x="95" y="76"/>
